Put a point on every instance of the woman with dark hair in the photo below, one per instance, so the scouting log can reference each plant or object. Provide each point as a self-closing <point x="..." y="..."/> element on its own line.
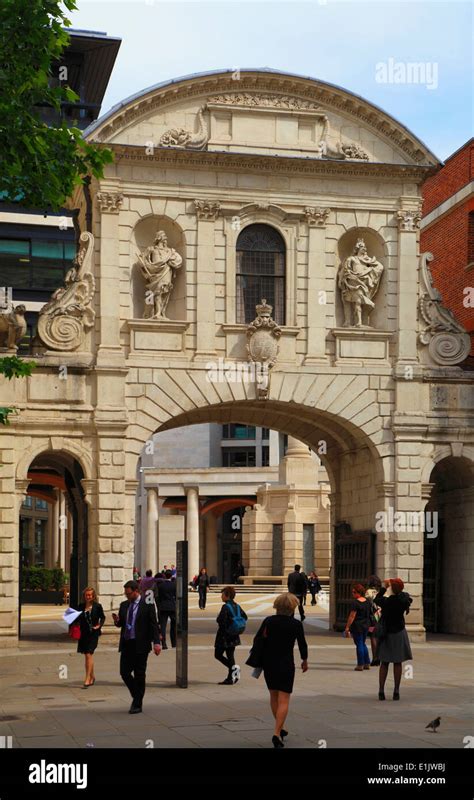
<point x="357" y="625"/>
<point x="314" y="586"/>
<point x="230" y="622"/>
<point x="90" y="621"/>
<point x="394" y="645"/>
<point x="203" y="586"/>
<point x="374" y="585"/>
<point x="280" y="633"/>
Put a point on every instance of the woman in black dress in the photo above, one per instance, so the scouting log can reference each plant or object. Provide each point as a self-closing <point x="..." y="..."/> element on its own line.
<point x="394" y="645"/>
<point x="91" y="621"/>
<point x="280" y="633"/>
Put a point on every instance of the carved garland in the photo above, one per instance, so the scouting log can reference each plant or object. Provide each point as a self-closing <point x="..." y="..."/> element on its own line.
<point x="64" y="320"/>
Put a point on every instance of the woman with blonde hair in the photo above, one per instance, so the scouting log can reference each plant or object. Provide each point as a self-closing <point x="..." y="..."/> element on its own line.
<point x="91" y="621"/>
<point x="280" y="633"/>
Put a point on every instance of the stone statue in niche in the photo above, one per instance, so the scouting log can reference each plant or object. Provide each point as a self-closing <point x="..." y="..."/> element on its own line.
<point x="359" y="280"/>
<point x="157" y="264"/>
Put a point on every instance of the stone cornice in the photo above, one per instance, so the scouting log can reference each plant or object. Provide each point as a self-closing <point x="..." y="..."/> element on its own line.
<point x="326" y="97"/>
<point x="168" y="157"/>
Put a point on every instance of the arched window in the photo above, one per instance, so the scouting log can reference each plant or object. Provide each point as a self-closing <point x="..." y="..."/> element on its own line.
<point x="260" y="272"/>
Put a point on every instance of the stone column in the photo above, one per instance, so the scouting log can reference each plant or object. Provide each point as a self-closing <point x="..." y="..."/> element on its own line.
<point x="50" y="537"/>
<point x="109" y="287"/>
<point x="192" y="529"/>
<point x="149" y="557"/>
<point x="409" y="218"/>
<point x="63" y="522"/>
<point x="206" y="212"/>
<point x="316" y="345"/>
<point x="55" y="529"/>
<point x="211" y="543"/>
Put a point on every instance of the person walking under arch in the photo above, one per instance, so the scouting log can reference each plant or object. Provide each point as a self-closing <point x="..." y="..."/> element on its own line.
<point x="297" y="586"/>
<point x="91" y="622"/>
<point x="314" y="586"/>
<point x="357" y="625"/>
<point x="231" y="621"/>
<point x="203" y="583"/>
<point x="394" y="644"/>
<point x="280" y="633"/>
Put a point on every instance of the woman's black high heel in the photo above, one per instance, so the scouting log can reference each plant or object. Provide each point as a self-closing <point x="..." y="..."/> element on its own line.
<point x="381" y="695"/>
<point x="283" y="733"/>
<point x="277" y="742"/>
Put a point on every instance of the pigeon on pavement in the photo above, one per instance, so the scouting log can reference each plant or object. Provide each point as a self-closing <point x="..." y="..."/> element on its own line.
<point x="435" y="723"/>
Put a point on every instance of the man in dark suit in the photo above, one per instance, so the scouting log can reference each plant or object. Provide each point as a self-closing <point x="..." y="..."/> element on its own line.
<point x="139" y="627"/>
<point x="167" y="607"/>
<point x="297" y="586"/>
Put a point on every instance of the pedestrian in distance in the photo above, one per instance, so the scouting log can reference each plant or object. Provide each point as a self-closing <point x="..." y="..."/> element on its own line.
<point x="231" y="623"/>
<point x="374" y="585"/>
<point x="357" y="625"/>
<point x="147" y="584"/>
<point x="139" y="628"/>
<point x="280" y="632"/>
<point x="203" y="583"/>
<point x="167" y="608"/>
<point x="394" y="644"/>
<point x="90" y="622"/>
<point x="297" y="586"/>
<point x="314" y="586"/>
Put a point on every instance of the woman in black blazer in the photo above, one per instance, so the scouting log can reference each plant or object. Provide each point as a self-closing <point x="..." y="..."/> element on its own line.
<point x="91" y="621"/>
<point x="280" y="633"/>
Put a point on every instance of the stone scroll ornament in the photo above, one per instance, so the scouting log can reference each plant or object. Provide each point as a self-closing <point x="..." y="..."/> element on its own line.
<point x="187" y="140"/>
<point x="447" y="340"/>
<point x="65" y="319"/>
<point x="358" y="280"/>
<point x="262" y="345"/>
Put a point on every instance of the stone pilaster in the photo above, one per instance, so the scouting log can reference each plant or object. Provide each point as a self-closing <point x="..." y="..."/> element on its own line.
<point x="206" y="212"/>
<point x="316" y="219"/>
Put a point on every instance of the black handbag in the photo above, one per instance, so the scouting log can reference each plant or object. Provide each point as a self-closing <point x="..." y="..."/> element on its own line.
<point x="255" y="658"/>
<point x="380" y="631"/>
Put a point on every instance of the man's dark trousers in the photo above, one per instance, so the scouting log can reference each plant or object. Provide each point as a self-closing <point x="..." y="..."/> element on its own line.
<point x="131" y="661"/>
<point x="163" y="615"/>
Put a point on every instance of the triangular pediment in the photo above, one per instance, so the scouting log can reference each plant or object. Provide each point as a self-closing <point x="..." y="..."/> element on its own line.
<point x="264" y="112"/>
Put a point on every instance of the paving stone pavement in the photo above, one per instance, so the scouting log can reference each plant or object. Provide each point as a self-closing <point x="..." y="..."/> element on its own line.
<point x="43" y="704"/>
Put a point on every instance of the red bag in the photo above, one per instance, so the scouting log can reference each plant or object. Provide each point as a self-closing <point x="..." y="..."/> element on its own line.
<point x="75" y="631"/>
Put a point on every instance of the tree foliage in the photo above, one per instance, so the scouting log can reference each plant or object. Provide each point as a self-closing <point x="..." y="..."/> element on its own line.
<point x="13" y="367"/>
<point x="39" y="164"/>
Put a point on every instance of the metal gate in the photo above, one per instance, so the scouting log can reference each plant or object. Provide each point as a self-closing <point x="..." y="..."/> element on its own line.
<point x="354" y="562"/>
<point x="432" y="580"/>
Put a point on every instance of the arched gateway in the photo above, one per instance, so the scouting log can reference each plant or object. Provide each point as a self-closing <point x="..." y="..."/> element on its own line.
<point x="158" y="326"/>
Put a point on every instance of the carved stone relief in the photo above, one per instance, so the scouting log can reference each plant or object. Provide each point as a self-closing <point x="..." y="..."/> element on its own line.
<point x="64" y="320"/>
<point x="187" y="140"/>
<point x="447" y="340"/>
<point x="262" y="345"/>
<point x="12" y="328"/>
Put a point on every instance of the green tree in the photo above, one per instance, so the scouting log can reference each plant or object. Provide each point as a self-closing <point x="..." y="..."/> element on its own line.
<point x="13" y="367"/>
<point x="39" y="164"/>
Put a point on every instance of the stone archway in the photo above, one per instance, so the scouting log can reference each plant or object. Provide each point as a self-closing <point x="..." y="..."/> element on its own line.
<point x="354" y="466"/>
<point x="449" y="547"/>
<point x="53" y="523"/>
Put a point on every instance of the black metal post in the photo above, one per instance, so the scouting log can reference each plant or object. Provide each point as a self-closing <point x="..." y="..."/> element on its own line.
<point x="182" y="614"/>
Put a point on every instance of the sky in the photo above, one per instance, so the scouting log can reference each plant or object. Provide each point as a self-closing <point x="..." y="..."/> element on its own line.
<point x="365" y="47"/>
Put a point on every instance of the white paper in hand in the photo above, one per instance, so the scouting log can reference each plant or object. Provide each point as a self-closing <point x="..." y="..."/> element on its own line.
<point x="70" y="615"/>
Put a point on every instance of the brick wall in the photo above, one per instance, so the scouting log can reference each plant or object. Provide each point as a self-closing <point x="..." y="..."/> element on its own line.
<point x="450" y="238"/>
